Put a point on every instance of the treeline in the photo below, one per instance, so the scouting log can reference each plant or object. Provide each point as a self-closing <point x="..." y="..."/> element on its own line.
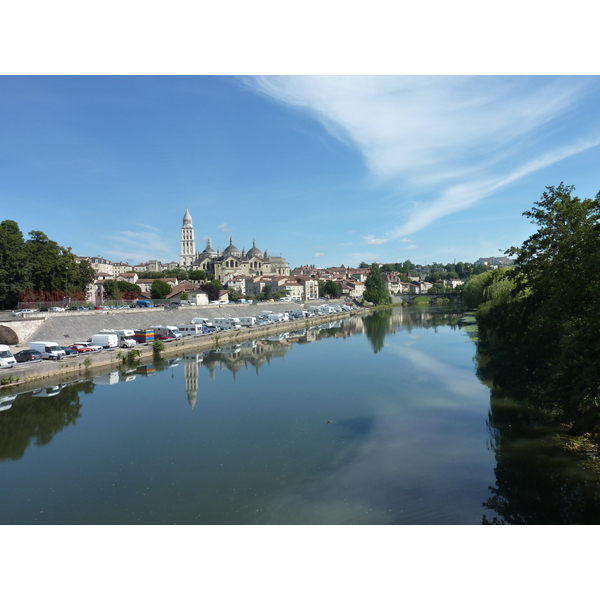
<point x="539" y="320"/>
<point x="37" y="266"/>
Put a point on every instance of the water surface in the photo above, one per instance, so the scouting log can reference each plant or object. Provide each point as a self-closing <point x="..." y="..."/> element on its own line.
<point x="374" y="420"/>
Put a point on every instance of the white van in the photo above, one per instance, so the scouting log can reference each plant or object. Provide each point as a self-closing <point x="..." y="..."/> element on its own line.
<point x="49" y="350"/>
<point x="7" y="360"/>
<point x="126" y="339"/>
<point x="247" y="321"/>
<point x="106" y="340"/>
<point x="202" y="321"/>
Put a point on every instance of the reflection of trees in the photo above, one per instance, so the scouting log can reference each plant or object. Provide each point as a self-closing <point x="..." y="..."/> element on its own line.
<point x="39" y="419"/>
<point x="536" y="483"/>
<point x="376" y="326"/>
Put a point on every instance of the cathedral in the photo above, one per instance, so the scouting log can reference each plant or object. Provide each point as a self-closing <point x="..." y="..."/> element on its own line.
<point x="228" y="262"/>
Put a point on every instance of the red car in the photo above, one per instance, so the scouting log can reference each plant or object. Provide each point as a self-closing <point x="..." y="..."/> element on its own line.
<point x="80" y="349"/>
<point x="165" y="338"/>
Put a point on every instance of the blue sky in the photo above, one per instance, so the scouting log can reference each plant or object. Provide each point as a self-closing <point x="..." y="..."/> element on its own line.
<point x="320" y="169"/>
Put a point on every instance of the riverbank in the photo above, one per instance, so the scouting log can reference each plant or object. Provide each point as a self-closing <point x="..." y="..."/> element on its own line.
<point x="56" y="372"/>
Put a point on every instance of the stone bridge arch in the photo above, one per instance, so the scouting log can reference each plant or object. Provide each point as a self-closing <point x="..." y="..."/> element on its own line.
<point x="8" y="336"/>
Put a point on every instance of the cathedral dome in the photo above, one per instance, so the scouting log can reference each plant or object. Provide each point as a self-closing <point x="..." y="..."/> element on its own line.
<point x="254" y="251"/>
<point x="231" y="250"/>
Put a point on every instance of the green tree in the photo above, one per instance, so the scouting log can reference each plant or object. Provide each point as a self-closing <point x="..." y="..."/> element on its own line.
<point x="119" y="290"/>
<point x="376" y="291"/>
<point x="159" y="289"/>
<point x="212" y="290"/>
<point x="15" y="270"/>
<point x="542" y="335"/>
<point x="331" y="289"/>
<point x="196" y="275"/>
<point x="55" y="268"/>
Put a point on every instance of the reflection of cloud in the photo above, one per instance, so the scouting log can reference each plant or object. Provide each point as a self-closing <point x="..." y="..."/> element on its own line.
<point x="458" y="381"/>
<point x="377" y="478"/>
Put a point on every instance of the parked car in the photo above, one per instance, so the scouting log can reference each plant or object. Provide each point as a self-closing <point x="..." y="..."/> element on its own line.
<point x="80" y="349"/>
<point x="69" y="351"/>
<point x="23" y="312"/>
<point x="165" y="338"/>
<point x="28" y="356"/>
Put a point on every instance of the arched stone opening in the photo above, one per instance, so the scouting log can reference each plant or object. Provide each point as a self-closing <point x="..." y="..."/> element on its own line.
<point x="8" y="336"/>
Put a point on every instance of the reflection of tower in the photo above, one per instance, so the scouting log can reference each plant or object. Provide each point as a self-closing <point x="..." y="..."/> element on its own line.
<point x="190" y="372"/>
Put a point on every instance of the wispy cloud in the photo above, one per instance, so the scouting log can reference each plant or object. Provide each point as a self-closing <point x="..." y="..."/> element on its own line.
<point x="139" y="245"/>
<point x="317" y="254"/>
<point x="224" y="227"/>
<point x="456" y="139"/>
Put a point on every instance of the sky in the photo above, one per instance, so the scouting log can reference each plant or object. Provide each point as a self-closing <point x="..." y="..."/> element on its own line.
<point x="323" y="170"/>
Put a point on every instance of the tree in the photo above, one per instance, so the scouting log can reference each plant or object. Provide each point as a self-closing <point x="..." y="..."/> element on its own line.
<point x="121" y="290"/>
<point x="15" y="270"/>
<point x="376" y="291"/>
<point x="55" y="268"/>
<point x="160" y="289"/>
<point x="542" y="335"/>
<point x="363" y="265"/>
<point x="197" y="275"/>
<point x="331" y="289"/>
<point x="212" y="290"/>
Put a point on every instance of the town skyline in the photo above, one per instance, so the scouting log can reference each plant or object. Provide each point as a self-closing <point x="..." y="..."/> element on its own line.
<point x="320" y="170"/>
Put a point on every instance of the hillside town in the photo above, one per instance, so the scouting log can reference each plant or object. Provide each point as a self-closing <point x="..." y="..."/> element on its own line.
<point x="246" y="274"/>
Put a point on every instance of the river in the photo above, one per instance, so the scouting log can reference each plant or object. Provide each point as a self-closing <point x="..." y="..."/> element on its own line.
<point x="378" y="419"/>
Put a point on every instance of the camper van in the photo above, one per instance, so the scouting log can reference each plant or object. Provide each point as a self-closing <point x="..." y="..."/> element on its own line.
<point x="49" y="350"/>
<point x="166" y="330"/>
<point x="247" y="321"/>
<point x="7" y="360"/>
<point x="227" y="323"/>
<point x="191" y="330"/>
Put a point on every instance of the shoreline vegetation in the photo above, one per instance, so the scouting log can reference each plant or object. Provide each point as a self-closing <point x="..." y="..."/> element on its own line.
<point x="537" y="322"/>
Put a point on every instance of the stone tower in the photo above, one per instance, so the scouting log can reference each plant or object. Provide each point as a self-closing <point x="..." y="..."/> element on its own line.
<point x="188" y="245"/>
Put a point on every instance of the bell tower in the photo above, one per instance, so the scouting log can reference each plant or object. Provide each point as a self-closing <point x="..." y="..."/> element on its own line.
<point x="188" y="245"/>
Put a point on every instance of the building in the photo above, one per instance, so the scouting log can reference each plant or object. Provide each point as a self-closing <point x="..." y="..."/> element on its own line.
<point x="224" y="265"/>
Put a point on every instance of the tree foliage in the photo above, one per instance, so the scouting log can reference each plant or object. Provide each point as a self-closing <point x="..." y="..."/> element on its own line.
<point x="38" y="265"/>
<point x="376" y="291"/>
<point x="542" y="334"/>
<point x="160" y="289"/>
<point x="15" y="269"/>
<point x="121" y="290"/>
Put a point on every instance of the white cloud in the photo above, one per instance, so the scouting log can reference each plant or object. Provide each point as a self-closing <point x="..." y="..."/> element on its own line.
<point x="458" y="139"/>
<point x="407" y="241"/>
<point x="317" y="254"/>
<point x="224" y="227"/>
<point x="410" y="247"/>
<point x="139" y="245"/>
<point x="373" y="241"/>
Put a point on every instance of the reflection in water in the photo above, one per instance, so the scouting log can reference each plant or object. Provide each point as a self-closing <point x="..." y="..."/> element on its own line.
<point x="536" y="482"/>
<point x="399" y="437"/>
<point x="38" y="416"/>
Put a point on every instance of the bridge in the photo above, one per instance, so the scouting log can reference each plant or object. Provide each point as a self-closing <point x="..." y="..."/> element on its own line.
<point x="455" y="297"/>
